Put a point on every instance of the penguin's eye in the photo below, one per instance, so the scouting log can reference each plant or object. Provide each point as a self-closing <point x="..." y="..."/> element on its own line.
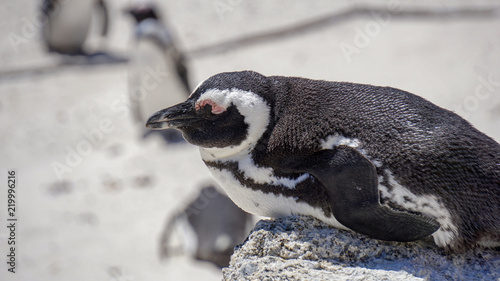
<point x="209" y="106"/>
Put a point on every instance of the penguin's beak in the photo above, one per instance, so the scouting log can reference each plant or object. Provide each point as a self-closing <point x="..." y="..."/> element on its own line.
<point x="177" y="116"/>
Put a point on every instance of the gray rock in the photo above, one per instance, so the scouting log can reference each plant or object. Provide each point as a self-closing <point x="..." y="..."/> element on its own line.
<point x="303" y="248"/>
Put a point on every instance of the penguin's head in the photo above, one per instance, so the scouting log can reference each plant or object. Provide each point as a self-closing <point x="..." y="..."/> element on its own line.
<point x="227" y="113"/>
<point x="143" y="11"/>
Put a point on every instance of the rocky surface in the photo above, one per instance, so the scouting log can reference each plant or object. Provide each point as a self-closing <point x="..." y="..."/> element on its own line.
<point x="303" y="248"/>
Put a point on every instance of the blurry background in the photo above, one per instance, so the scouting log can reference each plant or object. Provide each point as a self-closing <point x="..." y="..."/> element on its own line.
<point x="94" y="195"/>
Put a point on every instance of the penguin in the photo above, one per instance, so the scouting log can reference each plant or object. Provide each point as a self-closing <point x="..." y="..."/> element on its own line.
<point x="375" y="160"/>
<point x="158" y="73"/>
<point x="66" y="24"/>
<point x="211" y="225"/>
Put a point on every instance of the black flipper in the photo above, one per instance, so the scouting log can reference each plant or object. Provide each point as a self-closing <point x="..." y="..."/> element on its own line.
<point x="350" y="180"/>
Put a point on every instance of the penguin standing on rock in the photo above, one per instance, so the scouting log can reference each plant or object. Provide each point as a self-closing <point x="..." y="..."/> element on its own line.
<point x="376" y="160"/>
<point x="158" y="73"/>
<point x="67" y="24"/>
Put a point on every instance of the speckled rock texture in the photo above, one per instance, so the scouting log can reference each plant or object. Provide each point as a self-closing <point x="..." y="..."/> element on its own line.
<point x="303" y="248"/>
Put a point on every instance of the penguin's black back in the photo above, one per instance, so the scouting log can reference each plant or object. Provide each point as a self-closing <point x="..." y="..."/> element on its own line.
<point x="428" y="149"/>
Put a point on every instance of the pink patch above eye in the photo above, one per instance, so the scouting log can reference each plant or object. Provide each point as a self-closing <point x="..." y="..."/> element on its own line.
<point x="216" y="109"/>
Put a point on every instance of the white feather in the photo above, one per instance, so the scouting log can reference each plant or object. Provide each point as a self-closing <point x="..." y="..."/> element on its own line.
<point x="337" y="139"/>
<point x="428" y="205"/>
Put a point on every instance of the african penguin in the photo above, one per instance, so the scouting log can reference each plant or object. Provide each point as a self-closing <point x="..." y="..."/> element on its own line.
<point x="158" y="73"/>
<point x="376" y="160"/>
<point x="67" y="24"/>
<point x="211" y="226"/>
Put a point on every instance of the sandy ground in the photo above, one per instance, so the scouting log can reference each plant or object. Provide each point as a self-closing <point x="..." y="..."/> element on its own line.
<point x="100" y="218"/>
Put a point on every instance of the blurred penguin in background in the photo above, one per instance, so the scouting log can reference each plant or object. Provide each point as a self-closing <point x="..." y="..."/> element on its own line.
<point x="67" y="24"/>
<point x="210" y="227"/>
<point x="158" y="74"/>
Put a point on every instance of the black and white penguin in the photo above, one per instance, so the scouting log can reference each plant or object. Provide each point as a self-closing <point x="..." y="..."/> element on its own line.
<point x="376" y="160"/>
<point x="158" y="72"/>
<point x="67" y="24"/>
<point x="211" y="226"/>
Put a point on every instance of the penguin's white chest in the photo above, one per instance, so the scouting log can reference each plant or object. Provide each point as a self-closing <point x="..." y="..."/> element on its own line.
<point x="267" y="204"/>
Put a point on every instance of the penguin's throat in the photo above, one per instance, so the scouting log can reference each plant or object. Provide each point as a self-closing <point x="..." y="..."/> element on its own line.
<point x="230" y="153"/>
